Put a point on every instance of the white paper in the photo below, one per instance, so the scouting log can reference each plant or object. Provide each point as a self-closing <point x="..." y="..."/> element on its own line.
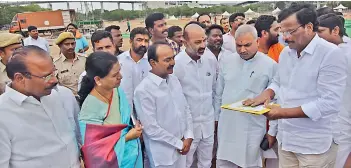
<point x="269" y="154"/>
<point x="241" y="106"/>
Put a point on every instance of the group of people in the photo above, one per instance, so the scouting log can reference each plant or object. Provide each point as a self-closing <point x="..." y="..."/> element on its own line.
<point x="158" y="104"/>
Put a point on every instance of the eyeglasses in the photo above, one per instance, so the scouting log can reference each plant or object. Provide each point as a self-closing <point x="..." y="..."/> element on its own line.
<point x="291" y="32"/>
<point x="45" y="78"/>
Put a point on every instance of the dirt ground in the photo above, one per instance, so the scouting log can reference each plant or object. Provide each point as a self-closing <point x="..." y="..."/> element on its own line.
<point x="54" y="50"/>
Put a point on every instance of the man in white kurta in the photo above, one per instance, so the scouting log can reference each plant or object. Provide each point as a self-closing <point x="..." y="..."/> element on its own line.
<point x="329" y="30"/>
<point x="242" y="75"/>
<point x="197" y="75"/>
<point x="163" y="111"/>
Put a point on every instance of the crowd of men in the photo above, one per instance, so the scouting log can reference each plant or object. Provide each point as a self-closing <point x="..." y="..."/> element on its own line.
<point x="176" y="80"/>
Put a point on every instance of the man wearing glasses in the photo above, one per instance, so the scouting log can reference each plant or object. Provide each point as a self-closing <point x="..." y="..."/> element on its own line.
<point x="8" y="44"/>
<point x="310" y="82"/>
<point x="235" y="20"/>
<point x="36" y="123"/>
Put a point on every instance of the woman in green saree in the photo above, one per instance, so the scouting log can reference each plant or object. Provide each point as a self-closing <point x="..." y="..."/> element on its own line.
<point x="103" y="104"/>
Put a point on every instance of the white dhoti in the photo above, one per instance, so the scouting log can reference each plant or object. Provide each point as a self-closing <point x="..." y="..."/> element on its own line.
<point x="228" y="164"/>
<point x="181" y="162"/>
<point x="203" y="148"/>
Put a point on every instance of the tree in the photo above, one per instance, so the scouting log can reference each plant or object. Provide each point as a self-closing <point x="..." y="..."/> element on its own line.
<point x="280" y="4"/>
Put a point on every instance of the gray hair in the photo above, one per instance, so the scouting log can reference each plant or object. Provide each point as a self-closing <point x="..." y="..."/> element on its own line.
<point x="243" y="29"/>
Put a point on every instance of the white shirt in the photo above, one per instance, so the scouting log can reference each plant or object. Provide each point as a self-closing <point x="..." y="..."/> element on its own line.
<point x="215" y="61"/>
<point x="229" y="42"/>
<point x="316" y="82"/>
<point x="343" y="122"/>
<point x="198" y="80"/>
<point x="37" y="134"/>
<point x="133" y="73"/>
<point x="40" y="42"/>
<point x="346" y="40"/>
<point x="165" y="115"/>
<point x="238" y="80"/>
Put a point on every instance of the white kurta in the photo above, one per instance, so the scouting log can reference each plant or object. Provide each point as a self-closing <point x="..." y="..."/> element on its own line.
<point x="240" y="134"/>
<point x="229" y="42"/>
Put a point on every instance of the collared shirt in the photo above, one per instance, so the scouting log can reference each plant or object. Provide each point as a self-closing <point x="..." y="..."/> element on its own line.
<point x="316" y="82"/>
<point x="229" y="42"/>
<point x="40" y="42"/>
<point x="343" y="121"/>
<point x="38" y="133"/>
<point x="165" y="115"/>
<point x="133" y="73"/>
<point x="215" y="61"/>
<point x="198" y="80"/>
<point x="173" y="44"/>
<point x="69" y="71"/>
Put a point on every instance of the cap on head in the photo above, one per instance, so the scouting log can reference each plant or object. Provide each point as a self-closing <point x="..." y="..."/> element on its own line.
<point x="30" y="28"/>
<point x="7" y="39"/>
<point x="63" y="36"/>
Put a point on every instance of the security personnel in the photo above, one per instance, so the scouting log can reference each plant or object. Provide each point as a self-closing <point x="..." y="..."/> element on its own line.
<point x="9" y="42"/>
<point x="69" y="63"/>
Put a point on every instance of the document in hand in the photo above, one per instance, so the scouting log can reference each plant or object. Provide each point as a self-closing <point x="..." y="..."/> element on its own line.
<point x="238" y="106"/>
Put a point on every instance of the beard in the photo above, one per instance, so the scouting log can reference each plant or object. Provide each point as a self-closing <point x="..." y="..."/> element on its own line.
<point x="140" y="50"/>
<point x="273" y="39"/>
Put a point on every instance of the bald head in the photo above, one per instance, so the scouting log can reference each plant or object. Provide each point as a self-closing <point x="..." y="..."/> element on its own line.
<point x="192" y="28"/>
<point x="195" y="40"/>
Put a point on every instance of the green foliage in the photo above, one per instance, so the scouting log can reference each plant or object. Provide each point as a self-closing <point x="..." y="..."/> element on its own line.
<point x="7" y="12"/>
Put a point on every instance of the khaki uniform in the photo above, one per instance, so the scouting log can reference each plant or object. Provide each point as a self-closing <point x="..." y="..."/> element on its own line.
<point x="3" y="77"/>
<point x="69" y="71"/>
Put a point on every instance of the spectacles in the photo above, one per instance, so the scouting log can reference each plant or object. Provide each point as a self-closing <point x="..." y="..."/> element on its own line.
<point x="45" y="78"/>
<point x="289" y="33"/>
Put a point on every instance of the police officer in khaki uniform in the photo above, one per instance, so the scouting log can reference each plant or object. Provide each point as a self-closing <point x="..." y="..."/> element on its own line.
<point x="69" y="64"/>
<point x="9" y="42"/>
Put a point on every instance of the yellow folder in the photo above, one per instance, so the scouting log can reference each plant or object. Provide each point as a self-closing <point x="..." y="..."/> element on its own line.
<point x="238" y="106"/>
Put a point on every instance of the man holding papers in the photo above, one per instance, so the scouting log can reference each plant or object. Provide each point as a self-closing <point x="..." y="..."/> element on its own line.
<point x="310" y="82"/>
<point x="242" y="75"/>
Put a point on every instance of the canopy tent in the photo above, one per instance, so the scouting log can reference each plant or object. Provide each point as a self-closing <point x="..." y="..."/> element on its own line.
<point x="195" y="15"/>
<point x="340" y="7"/>
<point x="325" y="6"/>
<point x="249" y="11"/>
<point x="276" y="11"/>
<point x="225" y="14"/>
<point x="172" y="18"/>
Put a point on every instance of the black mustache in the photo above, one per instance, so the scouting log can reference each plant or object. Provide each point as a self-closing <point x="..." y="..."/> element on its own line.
<point x="171" y="67"/>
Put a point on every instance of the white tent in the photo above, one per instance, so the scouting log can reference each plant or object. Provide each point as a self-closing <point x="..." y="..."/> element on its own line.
<point x="276" y="11"/>
<point x="195" y="15"/>
<point x="249" y="11"/>
<point x="225" y="14"/>
<point x="340" y="7"/>
<point x="172" y="18"/>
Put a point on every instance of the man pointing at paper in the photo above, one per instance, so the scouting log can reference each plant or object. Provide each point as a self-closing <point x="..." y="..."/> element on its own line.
<point x="242" y="75"/>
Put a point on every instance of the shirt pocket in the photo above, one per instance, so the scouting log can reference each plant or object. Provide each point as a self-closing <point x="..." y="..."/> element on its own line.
<point x="208" y="80"/>
<point x="64" y="77"/>
<point x="258" y="84"/>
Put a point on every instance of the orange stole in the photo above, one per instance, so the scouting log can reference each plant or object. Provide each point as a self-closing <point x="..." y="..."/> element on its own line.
<point x="274" y="51"/>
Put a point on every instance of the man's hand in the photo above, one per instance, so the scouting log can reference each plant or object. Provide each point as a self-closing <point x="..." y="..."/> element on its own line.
<point x="81" y="50"/>
<point x="263" y="98"/>
<point x="275" y="113"/>
<point x="186" y="146"/>
<point x="271" y="140"/>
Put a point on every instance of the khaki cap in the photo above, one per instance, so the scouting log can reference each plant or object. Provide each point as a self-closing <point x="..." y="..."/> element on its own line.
<point x="64" y="36"/>
<point x="7" y="39"/>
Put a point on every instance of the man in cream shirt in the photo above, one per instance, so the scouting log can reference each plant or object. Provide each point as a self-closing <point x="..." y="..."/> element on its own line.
<point x="163" y="111"/>
<point x="37" y="123"/>
<point x="197" y="75"/>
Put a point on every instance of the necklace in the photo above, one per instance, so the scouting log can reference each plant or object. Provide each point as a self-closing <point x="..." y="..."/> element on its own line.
<point x="103" y="97"/>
